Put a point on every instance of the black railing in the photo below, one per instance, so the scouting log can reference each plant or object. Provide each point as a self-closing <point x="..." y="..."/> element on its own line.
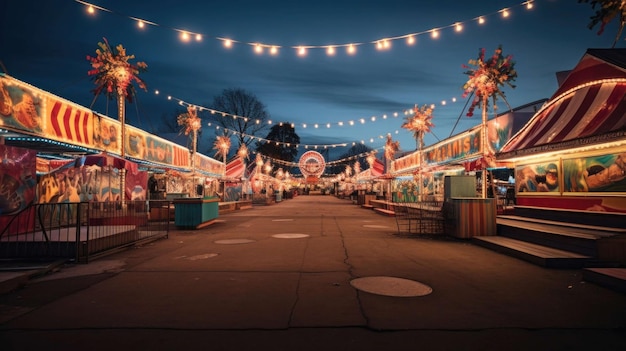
<point x="81" y="231"/>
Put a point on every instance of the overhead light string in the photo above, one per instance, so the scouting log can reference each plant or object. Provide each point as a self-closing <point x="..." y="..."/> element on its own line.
<point x="331" y="49"/>
<point x="371" y="140"/>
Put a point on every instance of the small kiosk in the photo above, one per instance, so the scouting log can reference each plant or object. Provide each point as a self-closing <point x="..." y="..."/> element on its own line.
<point x="195" y="213"/>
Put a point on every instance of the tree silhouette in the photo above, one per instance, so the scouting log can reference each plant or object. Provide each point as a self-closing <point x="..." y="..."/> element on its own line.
<point x="246" y="115"/>
<point x="281" y="143"/>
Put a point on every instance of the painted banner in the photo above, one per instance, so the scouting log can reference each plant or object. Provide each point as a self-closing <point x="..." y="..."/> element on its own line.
<point x="68" y="122"/>
<point x="21" y="108"/>
<point x="17" y="186"/>
<point x="596" y="174"/>
<point x="538" y="178"/>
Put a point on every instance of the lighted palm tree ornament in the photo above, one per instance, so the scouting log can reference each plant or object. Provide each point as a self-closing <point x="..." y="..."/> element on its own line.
<point x="114" y="74"/>
<point x="391" y="147"/>
<point x="222" y="146"/>
<point x="191" y="123"/>
<point x="606" y="12"/>
<point x="420" y="124"/>
<point x="486" y="77"/>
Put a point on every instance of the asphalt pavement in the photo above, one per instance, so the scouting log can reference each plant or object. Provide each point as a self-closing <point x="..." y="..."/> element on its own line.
<point x="282" y="277"/>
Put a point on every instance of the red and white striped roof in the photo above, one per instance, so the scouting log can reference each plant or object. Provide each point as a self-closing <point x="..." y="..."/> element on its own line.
<point x="590" y="102"/>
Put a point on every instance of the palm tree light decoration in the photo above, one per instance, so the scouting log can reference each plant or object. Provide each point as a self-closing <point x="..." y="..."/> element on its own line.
<point x="222" y="146"/>
<point x="114" y="74"/>
<point x="357" y="169"/>
<point x="191" y="124"/>
<point x="243" y="152"/>
<point x="420" y="124"/>
<point x="486" y="76"/>
<point x="391" y="147"/>
<point x="608" y="10"/>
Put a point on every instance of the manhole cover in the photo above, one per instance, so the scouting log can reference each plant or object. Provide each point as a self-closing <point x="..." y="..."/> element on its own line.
<point x="391" y="286"/>
<point x="201" y="257"/>
<point x="290" y="236"/>
<point x="233" y="241"/>
<point x="376" y="226"/>
<point x="283" y="220"/>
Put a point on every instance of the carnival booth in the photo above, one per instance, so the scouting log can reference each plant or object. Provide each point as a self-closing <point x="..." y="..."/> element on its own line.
<point x="572" y="154"/>
<point x="234" y="180"/>
<point x="570" y="159"/>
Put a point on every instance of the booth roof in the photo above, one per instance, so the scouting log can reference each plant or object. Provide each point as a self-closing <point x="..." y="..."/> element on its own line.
<point x="589" y="103"/>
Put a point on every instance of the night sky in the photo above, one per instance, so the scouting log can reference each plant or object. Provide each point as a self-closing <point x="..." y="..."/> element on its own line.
<point x="45" y="43"/>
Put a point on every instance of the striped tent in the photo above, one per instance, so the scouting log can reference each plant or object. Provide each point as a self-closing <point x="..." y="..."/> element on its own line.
<point x="590" y="102"/>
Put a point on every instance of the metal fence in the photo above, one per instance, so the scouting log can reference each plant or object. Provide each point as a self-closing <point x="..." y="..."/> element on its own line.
<point x="82" y="231"/>
<point x="424" y="217"/>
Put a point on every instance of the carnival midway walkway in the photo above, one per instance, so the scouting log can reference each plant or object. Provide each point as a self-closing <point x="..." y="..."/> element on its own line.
<point x="310" y="273"/>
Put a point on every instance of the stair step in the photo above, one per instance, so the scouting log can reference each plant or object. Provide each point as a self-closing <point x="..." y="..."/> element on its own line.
<point x="559" y="228"/>
<point x="534" y="253"/>
<point x="613" y="278"/>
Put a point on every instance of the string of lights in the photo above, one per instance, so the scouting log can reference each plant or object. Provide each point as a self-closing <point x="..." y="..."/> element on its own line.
<point x="303" y="125"/>
<point x="328" y="164"/>
<point x="381" y="44"/>
<point x="331" y="49"/>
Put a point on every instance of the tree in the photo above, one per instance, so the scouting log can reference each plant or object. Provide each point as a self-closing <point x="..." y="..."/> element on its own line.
<point x="608" y="9"/>
<point x="247" y="116"/>
<point x="281" y="143"/>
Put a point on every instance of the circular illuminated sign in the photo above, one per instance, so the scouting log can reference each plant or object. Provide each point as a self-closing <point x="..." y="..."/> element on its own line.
<point x="312" y="164"/>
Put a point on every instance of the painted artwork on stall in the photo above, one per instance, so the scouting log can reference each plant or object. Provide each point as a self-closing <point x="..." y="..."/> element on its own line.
<point x="17" y="179"/>
<point x="233" y="192"/>
<point x="538" y="178"/>
<point x="106" y="134"/>
<point x="79" y="184"/>
<point x="19" y="108"/>
<point x="596" y="174"/>
<point x="136" y="145"/>
<point x="17" y="186"/>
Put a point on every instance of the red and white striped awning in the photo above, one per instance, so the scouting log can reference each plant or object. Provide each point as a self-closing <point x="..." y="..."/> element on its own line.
<point x="591" y="110"/>
<point x="235" y="169"/>
<point x="591" y="102"/>
<point x="378" y="168"/>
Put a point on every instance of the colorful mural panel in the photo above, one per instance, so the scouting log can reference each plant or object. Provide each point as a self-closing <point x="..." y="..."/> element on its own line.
<point x="599" y="174"/>
<point x="538" y="177"/>
<point x="20" y="107"/>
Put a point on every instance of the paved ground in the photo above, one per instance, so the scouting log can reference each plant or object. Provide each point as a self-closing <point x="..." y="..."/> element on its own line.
<point x="234" y="286"/>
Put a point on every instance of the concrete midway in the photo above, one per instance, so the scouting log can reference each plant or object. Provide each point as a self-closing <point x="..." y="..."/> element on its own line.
<point x="281" y="277"/>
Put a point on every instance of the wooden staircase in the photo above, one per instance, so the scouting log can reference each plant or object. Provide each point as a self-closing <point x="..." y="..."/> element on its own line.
<point x="552" y="244"/>
<point x="570" y="242"/>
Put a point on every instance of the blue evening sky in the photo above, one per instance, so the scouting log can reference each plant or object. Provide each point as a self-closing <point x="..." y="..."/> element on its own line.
<point x="45" y="43"/>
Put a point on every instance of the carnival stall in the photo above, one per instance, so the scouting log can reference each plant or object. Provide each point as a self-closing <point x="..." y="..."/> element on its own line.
<point x="572" y="154"/>
<point x="459" y="154"/>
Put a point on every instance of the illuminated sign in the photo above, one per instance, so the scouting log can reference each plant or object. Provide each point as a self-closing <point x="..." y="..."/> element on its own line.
<point x="312" y="164"/>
